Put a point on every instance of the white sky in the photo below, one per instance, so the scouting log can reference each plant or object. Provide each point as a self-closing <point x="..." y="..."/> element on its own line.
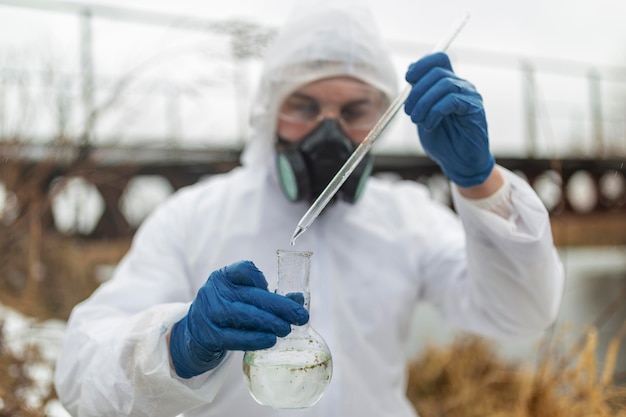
<point x="590" y="33"/>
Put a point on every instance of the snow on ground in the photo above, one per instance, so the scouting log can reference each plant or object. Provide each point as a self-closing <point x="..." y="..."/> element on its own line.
<point x="20" y="333"/>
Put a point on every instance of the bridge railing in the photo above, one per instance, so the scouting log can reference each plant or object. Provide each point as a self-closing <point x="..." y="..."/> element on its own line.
<point x="98" y="192"/>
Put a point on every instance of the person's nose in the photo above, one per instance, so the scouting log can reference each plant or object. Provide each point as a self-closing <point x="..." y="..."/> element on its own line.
<point x="330" y="112"/>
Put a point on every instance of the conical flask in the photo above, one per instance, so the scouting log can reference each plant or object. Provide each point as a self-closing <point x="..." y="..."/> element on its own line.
<point x="296" y="371"/>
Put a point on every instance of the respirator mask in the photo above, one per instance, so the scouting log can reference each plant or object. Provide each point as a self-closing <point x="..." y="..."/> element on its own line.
<point x="306" y="167"/>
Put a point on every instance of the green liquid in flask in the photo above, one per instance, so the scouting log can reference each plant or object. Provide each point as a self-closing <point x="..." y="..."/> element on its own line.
<point x="289" y="378"/>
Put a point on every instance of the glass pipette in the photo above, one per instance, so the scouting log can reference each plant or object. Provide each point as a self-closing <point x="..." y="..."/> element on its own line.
<point x="367" y="143"/>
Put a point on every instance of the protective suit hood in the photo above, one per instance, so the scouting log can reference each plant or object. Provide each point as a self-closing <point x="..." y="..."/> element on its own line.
<point x="321" y="39"/>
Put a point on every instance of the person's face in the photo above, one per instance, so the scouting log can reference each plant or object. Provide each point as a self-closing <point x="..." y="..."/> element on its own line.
<point x="356" y="105"/>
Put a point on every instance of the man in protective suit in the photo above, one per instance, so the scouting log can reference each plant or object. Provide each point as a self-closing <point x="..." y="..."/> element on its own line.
<point x="160" y="339"/>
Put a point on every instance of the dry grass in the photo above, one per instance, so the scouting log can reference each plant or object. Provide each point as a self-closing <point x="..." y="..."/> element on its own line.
<point x="17" y="381"/>
<point x="469" y="379"/>
<point x="65" y="273"/>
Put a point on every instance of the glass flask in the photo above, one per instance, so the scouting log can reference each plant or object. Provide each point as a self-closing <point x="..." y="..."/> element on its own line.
<point x="296" y="371"/>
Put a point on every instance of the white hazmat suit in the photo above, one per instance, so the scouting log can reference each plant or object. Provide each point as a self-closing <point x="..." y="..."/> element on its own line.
<point x="493" y="269"/>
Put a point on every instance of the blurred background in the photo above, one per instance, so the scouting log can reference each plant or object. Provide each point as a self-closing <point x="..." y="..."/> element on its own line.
<point x="107" y="107"/>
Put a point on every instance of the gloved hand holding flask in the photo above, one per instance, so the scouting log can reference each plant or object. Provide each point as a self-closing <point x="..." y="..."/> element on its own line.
<point x="450" y="120"/>
<point x="232" y="311"/>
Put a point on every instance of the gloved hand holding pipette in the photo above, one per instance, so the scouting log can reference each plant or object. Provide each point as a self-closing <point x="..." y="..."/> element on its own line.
<point x="232" y="311"/>
<point x="450" y="120"/>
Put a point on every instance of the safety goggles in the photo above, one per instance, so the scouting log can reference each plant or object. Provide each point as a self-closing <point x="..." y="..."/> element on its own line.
<point x="360" y="114"/>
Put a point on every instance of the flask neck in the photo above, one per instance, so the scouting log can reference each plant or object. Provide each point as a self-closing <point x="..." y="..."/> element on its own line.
<point x="293" y="275"/>
<point x="303" y="329"/>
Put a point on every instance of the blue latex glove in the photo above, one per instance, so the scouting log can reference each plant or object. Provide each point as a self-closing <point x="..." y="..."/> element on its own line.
<point x="232" y="311"/>
<point x="450" y="120"/>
